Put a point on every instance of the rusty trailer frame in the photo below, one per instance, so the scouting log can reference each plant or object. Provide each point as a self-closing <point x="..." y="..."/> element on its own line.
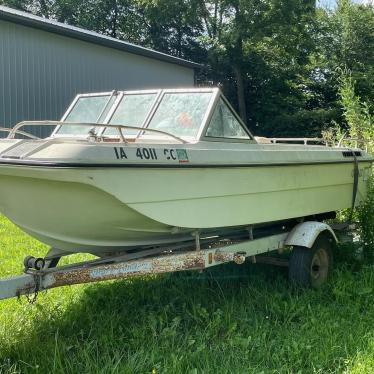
<point x="121" y="268"/>
<point x="159" y="260"/>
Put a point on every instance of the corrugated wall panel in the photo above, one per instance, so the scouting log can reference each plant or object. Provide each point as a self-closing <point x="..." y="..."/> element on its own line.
<point x="41" y="72"/>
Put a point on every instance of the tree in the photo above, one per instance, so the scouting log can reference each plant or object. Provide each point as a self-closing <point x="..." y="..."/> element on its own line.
<point x="277" y="61"/>
<point x="344" y="42"/>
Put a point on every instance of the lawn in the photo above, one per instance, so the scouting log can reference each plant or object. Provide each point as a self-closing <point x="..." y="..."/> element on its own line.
<point x="234" y="319"/>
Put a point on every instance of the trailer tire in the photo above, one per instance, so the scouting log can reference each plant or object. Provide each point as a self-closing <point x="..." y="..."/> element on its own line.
<point x="310" y="267"/>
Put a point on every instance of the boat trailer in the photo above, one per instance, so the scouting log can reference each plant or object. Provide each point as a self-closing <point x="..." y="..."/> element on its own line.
<point x="42" y="273"/>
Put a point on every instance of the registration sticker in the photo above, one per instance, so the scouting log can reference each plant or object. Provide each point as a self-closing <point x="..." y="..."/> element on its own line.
<point x="182" y="155"/>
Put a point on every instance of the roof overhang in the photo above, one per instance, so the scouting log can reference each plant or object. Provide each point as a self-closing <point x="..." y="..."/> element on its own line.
<point x="30" y="20"/>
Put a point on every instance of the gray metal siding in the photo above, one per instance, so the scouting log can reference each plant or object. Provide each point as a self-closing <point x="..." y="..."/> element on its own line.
<point x="41" y="72"/>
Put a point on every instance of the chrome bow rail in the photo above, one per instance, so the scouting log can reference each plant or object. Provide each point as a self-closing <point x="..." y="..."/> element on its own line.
<point x="16" y="129"/>
<point x="23" y="133"/>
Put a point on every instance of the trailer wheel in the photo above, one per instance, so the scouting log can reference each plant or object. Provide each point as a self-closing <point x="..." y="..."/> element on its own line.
<point x="310" y="267"/>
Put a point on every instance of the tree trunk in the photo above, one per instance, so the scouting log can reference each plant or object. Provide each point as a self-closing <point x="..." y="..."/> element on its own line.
<point x="237" y="61"/>
<point x="113" y="32"/>
<point x="240" y="93"/>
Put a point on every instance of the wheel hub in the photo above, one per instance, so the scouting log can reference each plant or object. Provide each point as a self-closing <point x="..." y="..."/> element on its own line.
<point x="319" y="266"/>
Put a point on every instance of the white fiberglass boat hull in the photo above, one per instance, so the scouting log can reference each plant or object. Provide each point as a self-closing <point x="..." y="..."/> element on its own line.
<point x="96" y="208"/>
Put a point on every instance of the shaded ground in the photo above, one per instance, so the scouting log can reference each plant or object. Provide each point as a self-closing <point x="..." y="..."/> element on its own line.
<point x="231" y="320"/>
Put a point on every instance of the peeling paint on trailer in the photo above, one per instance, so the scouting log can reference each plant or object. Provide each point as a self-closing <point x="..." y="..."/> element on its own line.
<point x="90" y="271"/>
<point x="222" y="257"/>
<point x="164" y="264"/>
<point x="132" y="268"/>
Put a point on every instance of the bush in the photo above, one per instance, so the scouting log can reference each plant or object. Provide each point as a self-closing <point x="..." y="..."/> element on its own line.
<point x="365" y="214"/>
<point x="360" y="132"/>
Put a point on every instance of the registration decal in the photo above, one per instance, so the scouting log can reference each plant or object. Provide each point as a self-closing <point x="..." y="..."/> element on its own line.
<point x="182" y="155"/>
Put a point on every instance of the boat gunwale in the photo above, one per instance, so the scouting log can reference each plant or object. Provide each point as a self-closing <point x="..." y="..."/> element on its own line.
<point x="73" y="165"/>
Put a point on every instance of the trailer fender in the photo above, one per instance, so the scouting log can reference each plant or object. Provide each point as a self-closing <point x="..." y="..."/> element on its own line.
<point x="305" y="234"/>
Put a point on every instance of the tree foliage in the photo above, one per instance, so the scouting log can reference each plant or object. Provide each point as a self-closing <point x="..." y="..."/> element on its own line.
<point x="278" y="61"/>
<point x="356" y="113"/>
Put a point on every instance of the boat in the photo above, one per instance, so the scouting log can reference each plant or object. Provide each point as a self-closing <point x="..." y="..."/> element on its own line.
<point x="133" y="169"/>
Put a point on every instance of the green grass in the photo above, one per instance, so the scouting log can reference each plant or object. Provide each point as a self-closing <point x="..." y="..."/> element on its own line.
<point x="235" y="319"/>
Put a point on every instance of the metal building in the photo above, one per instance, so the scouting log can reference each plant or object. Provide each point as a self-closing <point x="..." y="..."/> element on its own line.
<point x="44" y="64"/>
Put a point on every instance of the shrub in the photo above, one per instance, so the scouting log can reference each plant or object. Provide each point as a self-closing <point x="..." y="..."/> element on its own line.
<point x="360" y="124"/>
<point x="365" y="214"/>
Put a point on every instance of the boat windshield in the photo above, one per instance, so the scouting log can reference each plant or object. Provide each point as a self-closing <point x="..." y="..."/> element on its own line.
<point x="181" y="113"/>
<point x="87" y="109"/>
<point x="131" y="111"/>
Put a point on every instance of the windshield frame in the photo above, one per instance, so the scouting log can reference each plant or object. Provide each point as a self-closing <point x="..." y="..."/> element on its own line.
<point x="204" y="129"/>
<point x="117" y="103"/>
<point x="213" y="91"/>
<point x="55" y="133"/>
<point x="160" y="93"/>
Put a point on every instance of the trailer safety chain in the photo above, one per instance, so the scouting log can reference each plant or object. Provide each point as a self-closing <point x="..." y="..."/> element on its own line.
<point x="32" y="296"/>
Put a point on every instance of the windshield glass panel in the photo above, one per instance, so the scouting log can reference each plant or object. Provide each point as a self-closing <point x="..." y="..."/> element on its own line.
<point x="132" y="111"/>
<point x="223" y="124"/>
<point x="181" y="114"/>
<point x="86" y="110"/>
